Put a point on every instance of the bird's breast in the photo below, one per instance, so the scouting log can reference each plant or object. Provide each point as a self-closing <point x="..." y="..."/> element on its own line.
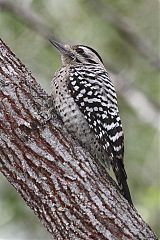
<point x="72" y="117"/>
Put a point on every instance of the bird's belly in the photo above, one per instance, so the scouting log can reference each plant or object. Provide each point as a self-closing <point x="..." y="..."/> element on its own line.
<point x="77" y="125"/>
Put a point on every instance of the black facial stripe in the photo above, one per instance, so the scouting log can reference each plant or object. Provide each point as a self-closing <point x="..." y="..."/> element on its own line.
<point x="77" y="60"/>
<point x="91" y="61"/>
<point x="79" y="50"/>
<point x="84" y="55"/>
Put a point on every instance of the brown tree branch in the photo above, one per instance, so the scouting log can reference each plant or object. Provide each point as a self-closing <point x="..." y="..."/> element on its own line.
<point x="69" y="192"/>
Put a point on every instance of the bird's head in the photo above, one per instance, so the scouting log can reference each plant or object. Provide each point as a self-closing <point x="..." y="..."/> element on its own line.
<point x="77" y="54"/>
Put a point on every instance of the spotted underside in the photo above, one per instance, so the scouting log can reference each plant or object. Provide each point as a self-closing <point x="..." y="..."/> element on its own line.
<point x="94" y="93"/>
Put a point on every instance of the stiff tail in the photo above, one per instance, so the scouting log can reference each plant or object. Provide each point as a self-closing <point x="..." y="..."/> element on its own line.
<point x="121" y="176"/>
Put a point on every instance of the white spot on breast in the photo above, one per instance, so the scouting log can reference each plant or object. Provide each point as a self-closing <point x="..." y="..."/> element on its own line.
<point x="95" y="123"/>
<point x="96" y="109"/>
<point x="73" y="82"/>
<point x="104" y="116"/>
<point x="83" y="91"/>
<point x="100" y="135"/>
<point x="87" y="109"/>
<point x="89" y="93"/>
<point x="82" y="104"/>
<point x="76" y="88"/>
<point x="79" y="95"/>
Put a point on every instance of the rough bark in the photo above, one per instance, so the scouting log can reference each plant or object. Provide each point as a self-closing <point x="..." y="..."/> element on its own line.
<point x="70" y="193"/>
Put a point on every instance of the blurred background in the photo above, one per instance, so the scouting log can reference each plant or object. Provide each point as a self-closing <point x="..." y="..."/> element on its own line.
<point x="125" y="33"/>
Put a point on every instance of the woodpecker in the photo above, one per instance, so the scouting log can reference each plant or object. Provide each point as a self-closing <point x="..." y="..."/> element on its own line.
<point x="85" y="99"/>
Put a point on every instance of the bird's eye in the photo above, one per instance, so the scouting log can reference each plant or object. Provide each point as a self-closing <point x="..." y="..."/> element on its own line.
<point x="79" y="50"/>
<point x="72" y="56"/>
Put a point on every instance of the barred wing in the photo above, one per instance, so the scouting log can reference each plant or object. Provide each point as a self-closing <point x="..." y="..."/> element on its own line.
<point x="94" y="93"/>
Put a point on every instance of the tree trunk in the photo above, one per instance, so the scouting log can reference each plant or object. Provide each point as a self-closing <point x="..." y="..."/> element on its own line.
<point x="69" y="192"/>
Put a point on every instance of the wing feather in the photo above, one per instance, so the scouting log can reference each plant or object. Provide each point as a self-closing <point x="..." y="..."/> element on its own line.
<point x="95" y="95"/>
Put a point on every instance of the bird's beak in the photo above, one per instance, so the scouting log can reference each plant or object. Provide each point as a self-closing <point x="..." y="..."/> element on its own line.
<point x="61" y="48"/>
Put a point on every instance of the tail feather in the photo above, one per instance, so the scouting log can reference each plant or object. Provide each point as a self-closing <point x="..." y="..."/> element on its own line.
<point x="121" y="176"/>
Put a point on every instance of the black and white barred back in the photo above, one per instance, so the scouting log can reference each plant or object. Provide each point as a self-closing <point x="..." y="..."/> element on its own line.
<point x="86" y="100"/>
